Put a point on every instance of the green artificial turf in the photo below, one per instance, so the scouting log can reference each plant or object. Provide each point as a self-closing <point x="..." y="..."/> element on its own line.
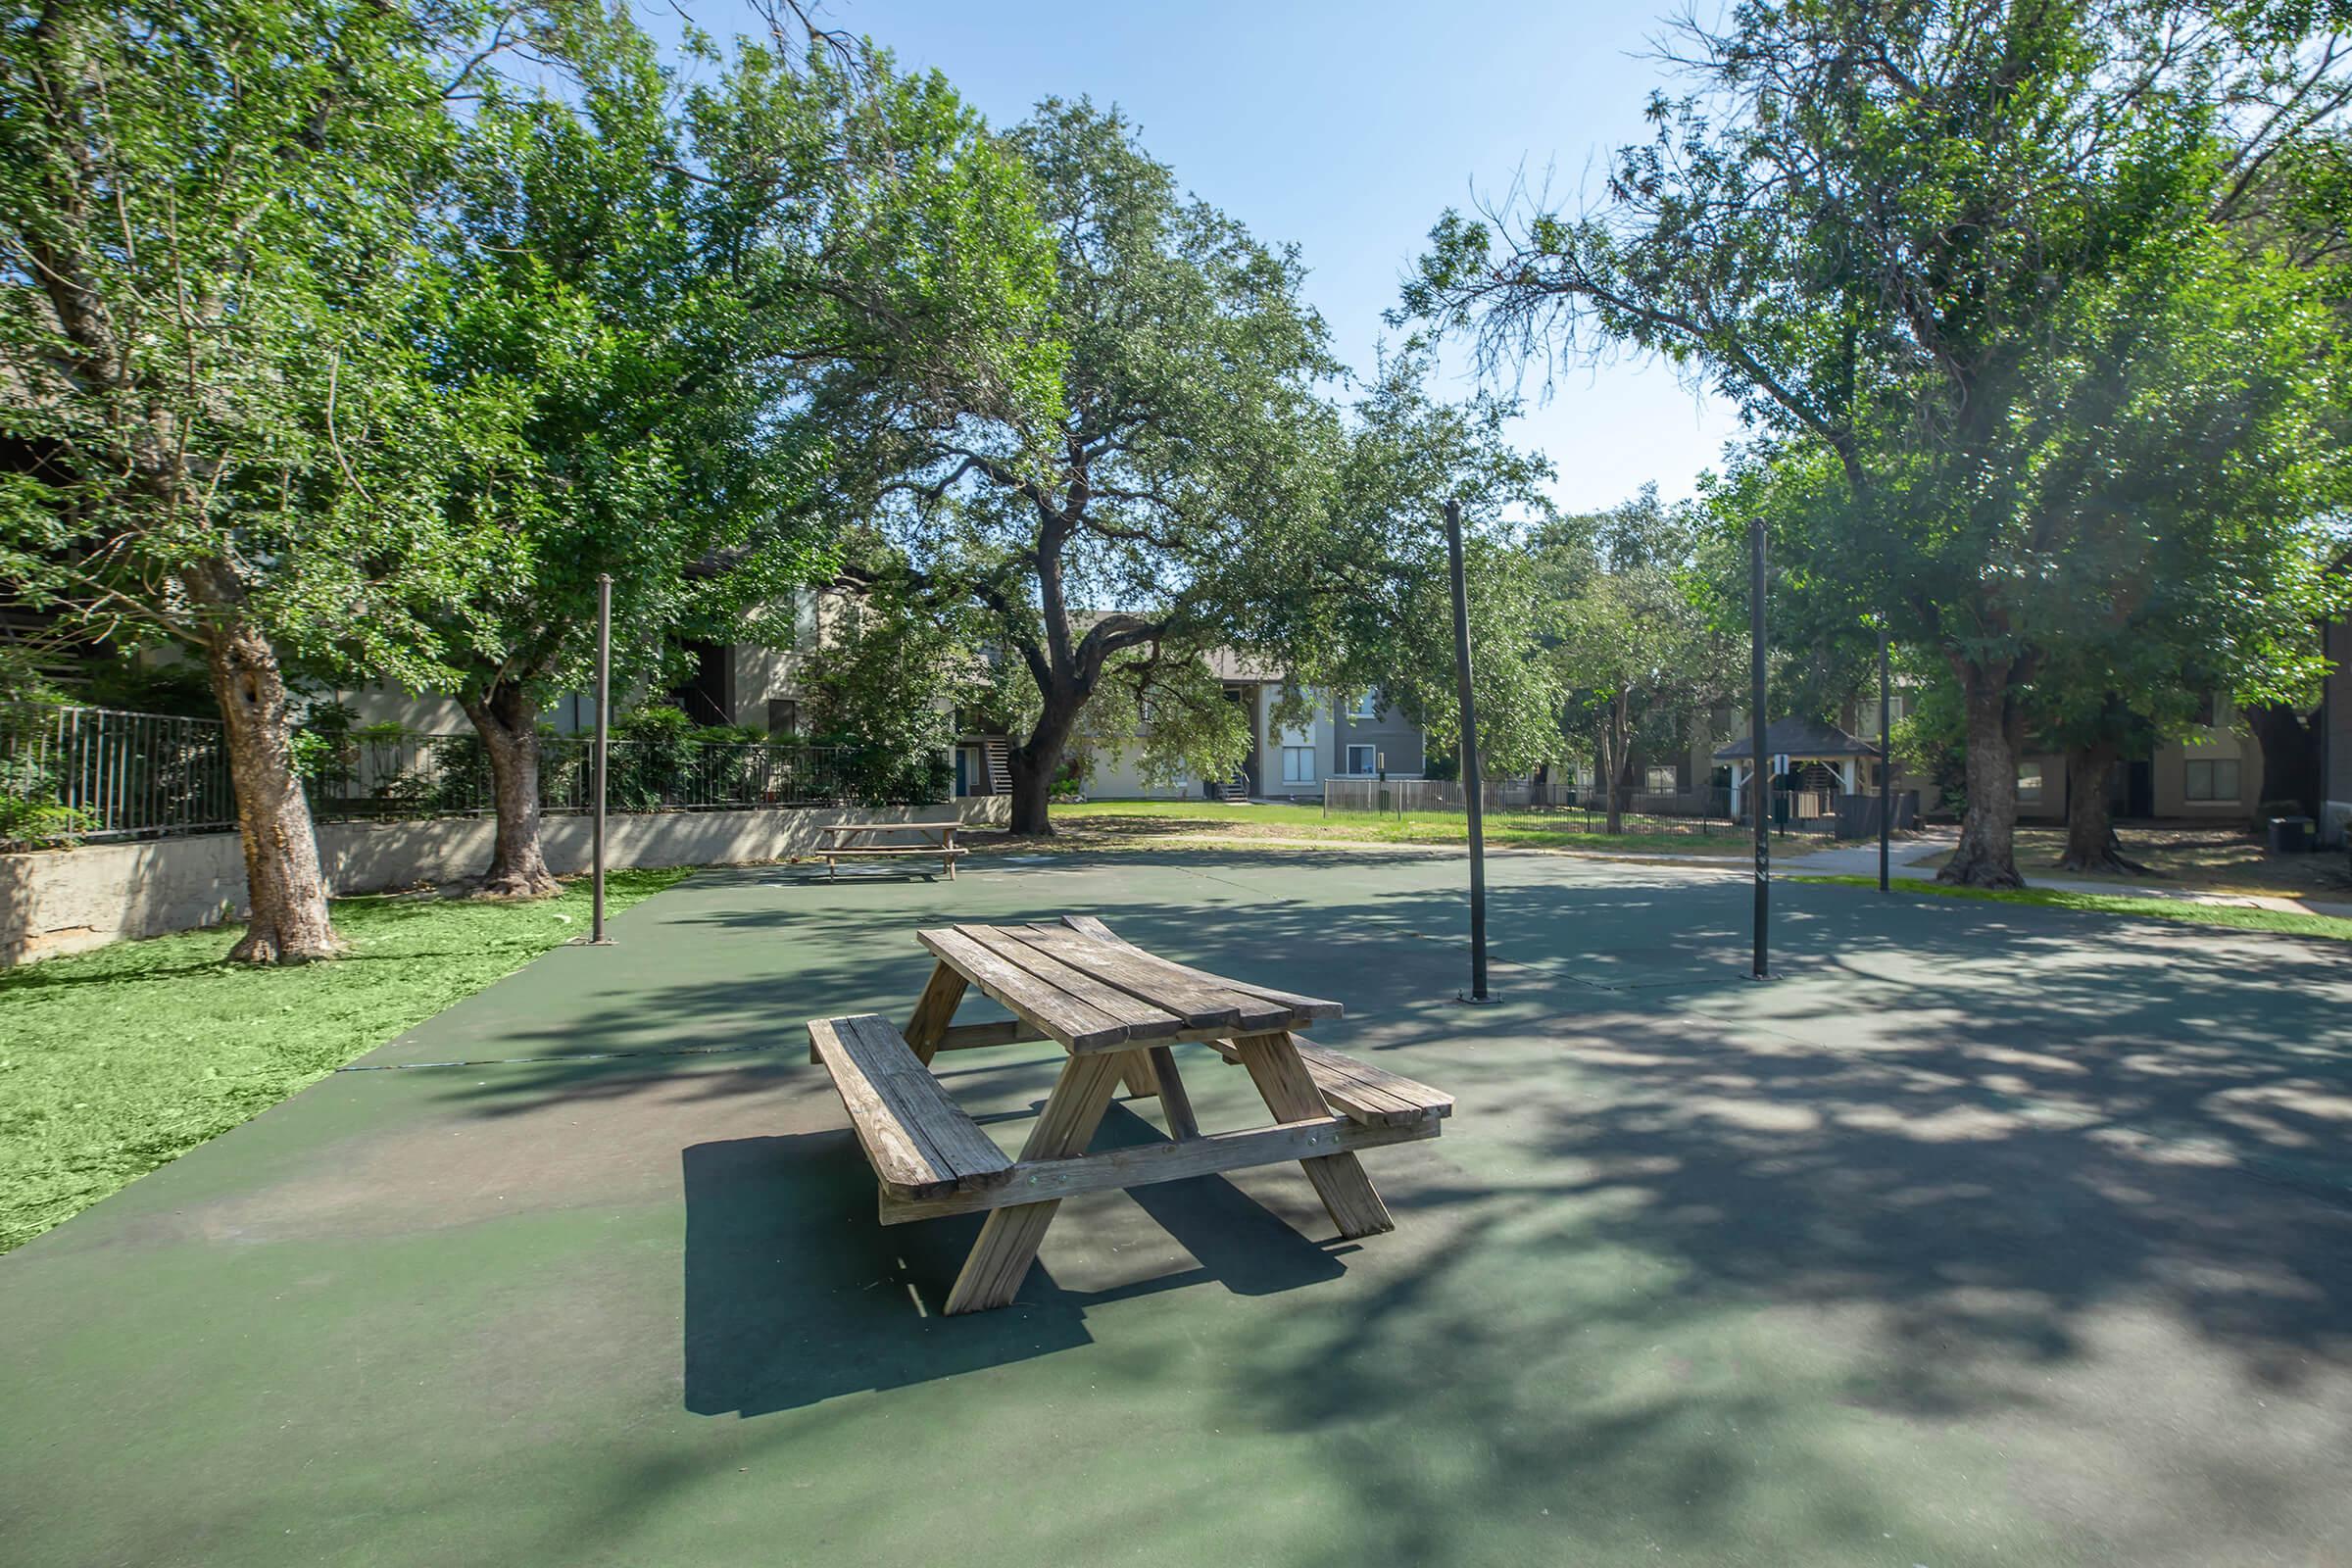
<point x="2184" y="911"/>
<point x="115" y="1062"/>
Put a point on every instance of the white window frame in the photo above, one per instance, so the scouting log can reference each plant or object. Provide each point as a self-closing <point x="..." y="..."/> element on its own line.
<point x="1297" y="764"/>
<point x="1649" y="780"/>
<point x="1371" y="761"/>
<point x="2029" y="793"/>
<point x="1365" y="706"/>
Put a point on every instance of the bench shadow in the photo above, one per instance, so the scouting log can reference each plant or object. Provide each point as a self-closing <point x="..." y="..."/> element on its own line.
<point x="795" y="1294"/>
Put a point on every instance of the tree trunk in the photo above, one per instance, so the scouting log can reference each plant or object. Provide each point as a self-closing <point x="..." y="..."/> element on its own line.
<point x="283" y="883"/>
<point x="2092" y="844"/>
<point x="1613" y="741"/>
<point x="1988" y="854"/>
<point x="1035" y="761"/>
<point x="508" y="721"/>
<point x="2289" y="738"/>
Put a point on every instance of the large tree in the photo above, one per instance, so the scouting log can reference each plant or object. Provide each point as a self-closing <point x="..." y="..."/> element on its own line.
<point x="1888" y="236"/>
<point x="1148" y="520"/>
<point x="221" y="439"/>
<point x="1635" y="655"/>
<point x="675" y="280"/>
<point x="1377" y="580"/>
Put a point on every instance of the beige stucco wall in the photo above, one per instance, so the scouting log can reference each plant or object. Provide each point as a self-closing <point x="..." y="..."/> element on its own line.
<point x="2170" y="775"/>
<point x="1114" y="776"/>
<point x="66" y="901"/>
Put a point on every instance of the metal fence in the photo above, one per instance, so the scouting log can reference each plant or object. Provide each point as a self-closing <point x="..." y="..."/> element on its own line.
<point x="91" y="773"/>
<point x="371" y="778"/>
<point x="99" y="773"/>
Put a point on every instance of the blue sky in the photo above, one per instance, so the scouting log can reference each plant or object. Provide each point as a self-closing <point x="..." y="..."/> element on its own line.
<point x="1346" y="130"/>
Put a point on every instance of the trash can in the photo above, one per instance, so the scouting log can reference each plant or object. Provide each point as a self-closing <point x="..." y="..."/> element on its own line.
<point x="2291" y="835"/>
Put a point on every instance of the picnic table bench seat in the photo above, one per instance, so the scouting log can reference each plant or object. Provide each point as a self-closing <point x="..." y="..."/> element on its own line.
<point x="1368" y="1096"/>
<point x="846" y="839"/>
<point x="920" y="1142"/>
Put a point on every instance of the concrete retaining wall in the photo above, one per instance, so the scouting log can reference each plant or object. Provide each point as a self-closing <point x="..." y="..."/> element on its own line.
<point x="66" y="901"/>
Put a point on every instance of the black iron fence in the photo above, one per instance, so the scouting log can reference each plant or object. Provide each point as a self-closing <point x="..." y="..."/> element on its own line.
<point x="99" y="773"/>
<point x="71" y="773"/>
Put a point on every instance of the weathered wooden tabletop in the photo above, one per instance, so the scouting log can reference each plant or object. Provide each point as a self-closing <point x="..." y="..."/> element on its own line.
<point x="1092" y="991"/>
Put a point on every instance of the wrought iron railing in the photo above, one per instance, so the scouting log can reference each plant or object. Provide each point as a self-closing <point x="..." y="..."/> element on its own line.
<point x="88" y="773"/>
<point x="368" y="777"/>
<point x="101" y="773"/>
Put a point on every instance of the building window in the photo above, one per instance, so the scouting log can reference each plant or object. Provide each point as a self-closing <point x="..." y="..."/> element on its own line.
<point x="1365" y="706"/>
<point x="783" y="717"/>
<point x="1656" y="780"/>
<point x="2028" y="783"/>
<point x="2211" y="778"/>
<point x="1359" y="759"/>
<point x="1297" y="764"/>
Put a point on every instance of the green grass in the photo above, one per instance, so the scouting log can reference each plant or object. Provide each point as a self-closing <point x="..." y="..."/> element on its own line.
<point x="1504" y="829"/>
<point x="115" y="1062"/>
<point x="2179" y="911"/>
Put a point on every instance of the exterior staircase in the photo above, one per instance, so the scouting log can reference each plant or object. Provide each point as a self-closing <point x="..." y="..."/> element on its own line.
<point x="995" y="757"/>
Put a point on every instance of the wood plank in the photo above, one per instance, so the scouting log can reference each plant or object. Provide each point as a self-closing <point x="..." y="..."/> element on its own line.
<point x="937" y="832"/>
<point x="1162" y="1162"/>
<point x="1342" y="1089"/>
<point x="1063" y="1017"/>
<point x="1144" y="1021"/>
<point x="1371" y="1091"/>
<point x="1174" y="1103"/>
<point x="918" y="1141"/>
<point x="847" y="851"/>
<point x="1010" y="1236"/>
<point x="942" y="993"/>
<point x="1289" y="1093"/>
<point x="1303" y="1007"/>
<point x="1136" y="1075"/>
<point x="1201" y="1003"/>
<point x="1344" y="1077"/>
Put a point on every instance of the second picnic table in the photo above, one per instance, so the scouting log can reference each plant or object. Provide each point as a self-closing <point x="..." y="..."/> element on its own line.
<point x="1117" y="1011"/>
<point x="847" y="839"/>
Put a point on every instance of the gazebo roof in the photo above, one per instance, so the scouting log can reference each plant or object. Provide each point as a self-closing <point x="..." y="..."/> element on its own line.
<point x="1800" y="740"/>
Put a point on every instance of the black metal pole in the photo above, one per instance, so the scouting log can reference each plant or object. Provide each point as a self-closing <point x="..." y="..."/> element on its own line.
<point x="1472" y="792"/>
<point x="1885" y="760"/>
<point x="1761" y="780"/>
<point x="604" y="709"/>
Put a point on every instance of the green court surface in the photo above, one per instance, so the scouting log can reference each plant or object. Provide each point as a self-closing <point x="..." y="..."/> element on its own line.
<point x="1981" y="1235"/>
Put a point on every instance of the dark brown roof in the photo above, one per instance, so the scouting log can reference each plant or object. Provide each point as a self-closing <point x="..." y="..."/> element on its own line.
<point x="1800" y="740"/>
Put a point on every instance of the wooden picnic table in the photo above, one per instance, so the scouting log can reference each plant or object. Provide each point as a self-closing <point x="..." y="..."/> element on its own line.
<point x="1118" y="1011"/>
<point x="846" y="839"/>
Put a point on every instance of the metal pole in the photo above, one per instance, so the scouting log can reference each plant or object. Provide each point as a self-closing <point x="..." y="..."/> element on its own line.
<point x="1471" y="791"/>
<point x="1886" y="759"/>
<point x="604" y="709"/>
<point x="1762" y="787"/>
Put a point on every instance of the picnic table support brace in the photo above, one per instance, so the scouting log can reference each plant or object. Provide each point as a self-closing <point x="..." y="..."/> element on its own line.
<point x="1174" y="1103"/>
<point x="1010" y="1236"/>
<point x="929" y="1021"/>
<point x="1291" y="1094"/>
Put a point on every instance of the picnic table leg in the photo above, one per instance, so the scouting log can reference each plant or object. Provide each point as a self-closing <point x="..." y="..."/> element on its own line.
<point x="1291" y="1094"/>
<point x="1174" y="1103"/>
<point x="1136" y="1075"/>
<point x="933" y="1010"/>
<point x="1008" y="1239"/>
